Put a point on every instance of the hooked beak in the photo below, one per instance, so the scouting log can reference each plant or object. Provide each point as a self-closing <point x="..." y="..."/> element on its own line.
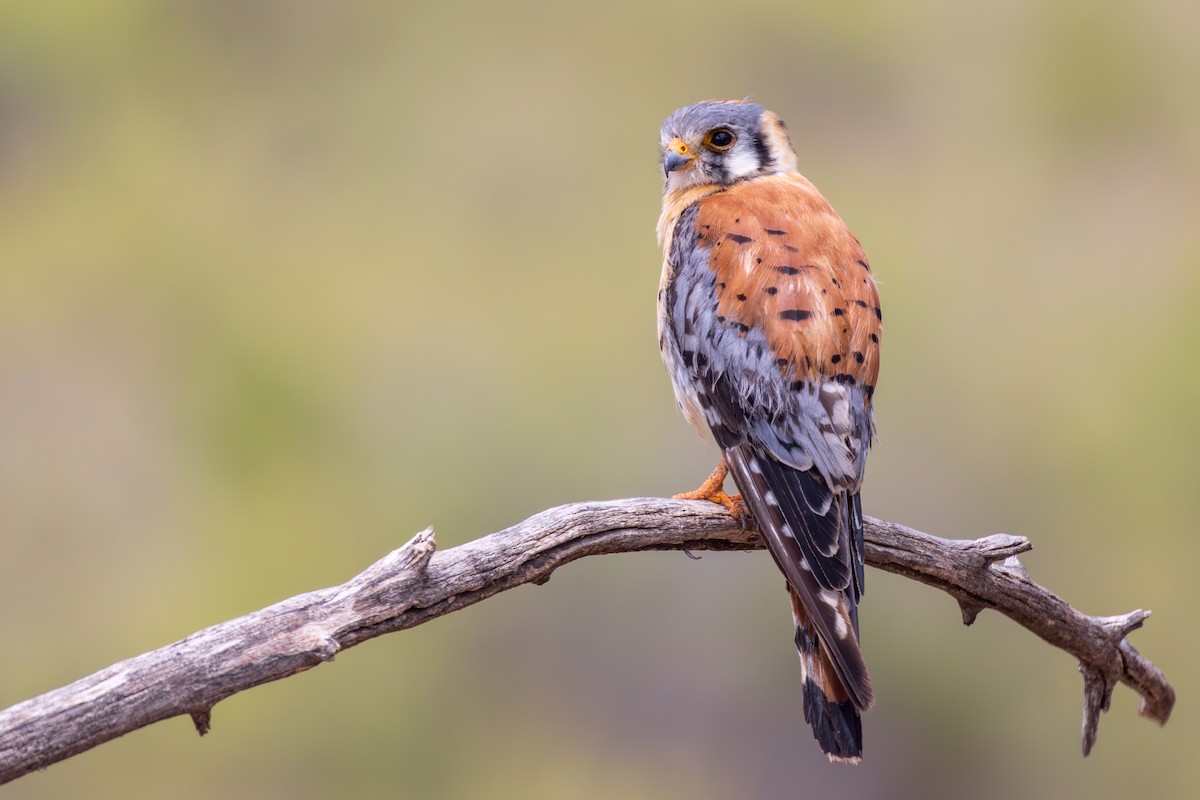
<point x="678" y="155"/>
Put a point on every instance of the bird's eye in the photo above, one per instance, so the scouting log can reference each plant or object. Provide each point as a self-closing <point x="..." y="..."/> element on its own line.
<point x="719" y="140"/>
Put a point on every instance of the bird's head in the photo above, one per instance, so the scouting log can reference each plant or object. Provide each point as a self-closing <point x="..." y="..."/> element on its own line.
<point x="721" y="142"/>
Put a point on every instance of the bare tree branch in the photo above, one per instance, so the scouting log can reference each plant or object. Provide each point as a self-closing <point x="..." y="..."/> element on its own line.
<point x="415" y="583"/>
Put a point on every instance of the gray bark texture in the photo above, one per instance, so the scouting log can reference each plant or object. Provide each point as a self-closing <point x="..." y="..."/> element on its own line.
<point x="417" y="583"/>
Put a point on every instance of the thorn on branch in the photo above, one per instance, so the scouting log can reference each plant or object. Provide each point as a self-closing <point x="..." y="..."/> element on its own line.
<point x="202" y="720"/>
<point x="1097" y="696"/>
<point x="417" y="551"/>
<point x="970" y="611"/>
<point x="327" y="648"/>
<point x="411" y="557"/>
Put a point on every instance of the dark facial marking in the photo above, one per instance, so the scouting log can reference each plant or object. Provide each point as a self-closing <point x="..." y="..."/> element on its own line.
<point x="764" y="154"/>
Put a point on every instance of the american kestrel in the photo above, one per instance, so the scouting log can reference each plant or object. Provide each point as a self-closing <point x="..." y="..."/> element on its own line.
<point x="769" y="324"/>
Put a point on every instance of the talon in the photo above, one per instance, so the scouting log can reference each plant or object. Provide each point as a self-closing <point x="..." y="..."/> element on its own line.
<point x="712" y="490"/>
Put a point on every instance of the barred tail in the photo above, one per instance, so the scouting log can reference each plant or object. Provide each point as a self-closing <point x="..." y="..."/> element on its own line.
<point x="827" y="705"/>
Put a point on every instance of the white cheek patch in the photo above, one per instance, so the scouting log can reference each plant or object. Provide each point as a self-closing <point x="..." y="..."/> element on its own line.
<point x="742" y="161"/>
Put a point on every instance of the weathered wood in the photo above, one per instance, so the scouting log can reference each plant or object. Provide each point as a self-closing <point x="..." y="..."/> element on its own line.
<point x="417" y="583"/>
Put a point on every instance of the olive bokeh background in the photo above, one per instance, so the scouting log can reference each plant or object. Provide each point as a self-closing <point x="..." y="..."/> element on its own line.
<point x="283" y="283"/>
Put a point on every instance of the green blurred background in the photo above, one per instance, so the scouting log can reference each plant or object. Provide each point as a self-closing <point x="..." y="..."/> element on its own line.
<point x="283" y="283"/>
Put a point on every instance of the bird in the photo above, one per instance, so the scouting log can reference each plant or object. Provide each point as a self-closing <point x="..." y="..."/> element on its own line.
<point x="769" y="325"/>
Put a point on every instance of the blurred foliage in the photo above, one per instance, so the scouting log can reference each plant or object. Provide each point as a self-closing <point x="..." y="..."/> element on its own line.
<point x="281" y="283"/>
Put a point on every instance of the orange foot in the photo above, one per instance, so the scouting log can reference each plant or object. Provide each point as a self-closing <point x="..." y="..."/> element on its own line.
<point x="713" y="491"/>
